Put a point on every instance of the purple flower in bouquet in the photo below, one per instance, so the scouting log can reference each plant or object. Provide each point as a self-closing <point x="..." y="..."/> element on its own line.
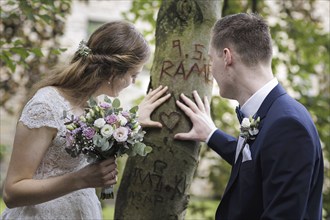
<point x="126" y="114"/>
<point x="105" y="105"/>
<point x="111" y="119"/>
<point x="82" y="124"/>
<point x="88" y="132"/>
<point x="76" y="131"/>
<point x="69" y="139"/>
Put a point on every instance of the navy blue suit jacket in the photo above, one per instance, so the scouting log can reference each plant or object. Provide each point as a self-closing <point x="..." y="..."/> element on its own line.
<point x="285" y="176"/>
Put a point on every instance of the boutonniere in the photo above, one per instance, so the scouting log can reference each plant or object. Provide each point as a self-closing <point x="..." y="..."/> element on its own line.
<point x="249" y="128"/>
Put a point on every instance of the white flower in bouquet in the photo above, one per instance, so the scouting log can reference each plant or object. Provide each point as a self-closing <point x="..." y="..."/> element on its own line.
<point x="121" y="134"/>
<point x="122" y="119"/>
<point x="107" y="131"/>
<point x="99" y="123"/>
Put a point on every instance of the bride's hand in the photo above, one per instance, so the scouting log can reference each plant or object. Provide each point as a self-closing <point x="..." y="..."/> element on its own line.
<point x="99" y="174"/>
<point x="153" y="99"/>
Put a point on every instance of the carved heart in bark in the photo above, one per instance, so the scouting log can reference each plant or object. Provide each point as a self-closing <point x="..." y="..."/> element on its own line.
<point x="171" y="120"/>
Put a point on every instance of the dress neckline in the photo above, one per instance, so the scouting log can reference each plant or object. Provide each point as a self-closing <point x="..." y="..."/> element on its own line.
<point x="64" y="100"/>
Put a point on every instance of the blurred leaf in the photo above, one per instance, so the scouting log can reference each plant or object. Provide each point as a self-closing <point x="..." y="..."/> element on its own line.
<point x="36" y="36"/>
<point x="24" y="53"/>
<point x="37" y="52"/>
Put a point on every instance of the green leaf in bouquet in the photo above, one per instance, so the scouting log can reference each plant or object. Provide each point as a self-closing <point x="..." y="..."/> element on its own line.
<point x="131" y="153"/>
<point x="108" y="111"/>
<point x="147" y="150"/>
<point x="116" y="103"/>
<point x="134" y="109"/>
<point x="117" y="110"/>
<point x="107" y="99"/>
<point x="140" y="149"/>
<point x="101" y="112"/>
<point x="106" y="146"/>
<point x="98" y="111"/>
<point x="100" y="142"/>
<point x="91" y="102"/>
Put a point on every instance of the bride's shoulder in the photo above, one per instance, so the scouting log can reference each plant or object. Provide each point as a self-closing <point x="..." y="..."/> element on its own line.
<point x="46" y="94"/>
<point x="50" y="90"/>
<point x="43" y="109"/>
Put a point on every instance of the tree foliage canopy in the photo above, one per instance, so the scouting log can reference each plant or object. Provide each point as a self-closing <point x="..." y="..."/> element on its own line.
<point x="29" y="42"/>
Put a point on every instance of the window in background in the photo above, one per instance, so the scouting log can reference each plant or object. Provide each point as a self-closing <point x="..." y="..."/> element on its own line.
<point x="92" y="26"/>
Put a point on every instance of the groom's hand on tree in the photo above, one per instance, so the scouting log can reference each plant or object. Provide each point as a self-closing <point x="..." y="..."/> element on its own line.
<point x="200" y="116"/>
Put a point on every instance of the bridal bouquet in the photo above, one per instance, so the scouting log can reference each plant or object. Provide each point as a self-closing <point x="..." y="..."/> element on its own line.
<point x="103" y="131"/>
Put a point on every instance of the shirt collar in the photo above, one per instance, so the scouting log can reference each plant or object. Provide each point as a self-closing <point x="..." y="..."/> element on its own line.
<point x="252" y="105"/>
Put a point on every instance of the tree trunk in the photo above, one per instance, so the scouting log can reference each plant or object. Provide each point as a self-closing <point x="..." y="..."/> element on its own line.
<point x="157" y="186"/>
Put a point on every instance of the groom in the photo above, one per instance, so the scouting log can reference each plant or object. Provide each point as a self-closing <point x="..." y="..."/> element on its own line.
<point x="277" y="171"/>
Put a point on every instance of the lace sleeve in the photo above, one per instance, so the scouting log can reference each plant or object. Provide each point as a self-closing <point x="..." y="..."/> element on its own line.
<point x="38" y="114"/>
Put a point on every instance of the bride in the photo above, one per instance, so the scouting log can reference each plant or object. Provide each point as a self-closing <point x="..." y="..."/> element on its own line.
<point x="43" y="180"/>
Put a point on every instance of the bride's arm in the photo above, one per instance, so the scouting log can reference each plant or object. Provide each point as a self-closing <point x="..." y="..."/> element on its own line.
<point x="29" y="148"/>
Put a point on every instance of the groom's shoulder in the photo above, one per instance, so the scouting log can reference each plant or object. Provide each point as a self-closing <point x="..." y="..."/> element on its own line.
<point x="288" y="104"/>
<point x="288" y="108"/>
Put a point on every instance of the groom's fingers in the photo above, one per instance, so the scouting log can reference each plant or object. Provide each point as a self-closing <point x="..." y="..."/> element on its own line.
<point x="199" y="102"/>
<point x="185" y="109"/>
<point x="207" y="106"/>
<point x="190" y="136"/>
<point x="189" y="103"/>
<point x="182" y="136"/>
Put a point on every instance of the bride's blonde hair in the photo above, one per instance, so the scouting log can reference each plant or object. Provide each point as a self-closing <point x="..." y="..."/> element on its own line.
<point x="116" y="47"/>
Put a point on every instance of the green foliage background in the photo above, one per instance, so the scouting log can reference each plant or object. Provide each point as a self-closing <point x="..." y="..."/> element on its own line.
<point x="301" y="59"/>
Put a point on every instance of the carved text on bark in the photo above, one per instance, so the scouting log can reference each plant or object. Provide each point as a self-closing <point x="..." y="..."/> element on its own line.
<point x="175" y="185"/>
<point x="200" y="64"/>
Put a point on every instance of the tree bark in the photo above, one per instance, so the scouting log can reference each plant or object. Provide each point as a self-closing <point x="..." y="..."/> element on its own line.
<point x="157" y="186"/>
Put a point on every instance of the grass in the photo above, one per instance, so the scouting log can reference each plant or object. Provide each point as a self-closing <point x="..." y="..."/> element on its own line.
<point x="199" y="209"/>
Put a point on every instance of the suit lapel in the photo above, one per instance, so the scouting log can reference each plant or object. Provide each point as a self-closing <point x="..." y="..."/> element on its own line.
<point x="262" y="111"/>
<point x="271" y="97"/>
<point x="234" y="173"/>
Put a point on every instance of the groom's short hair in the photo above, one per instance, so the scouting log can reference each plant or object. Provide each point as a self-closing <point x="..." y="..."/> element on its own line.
<point x="247" y="34"/>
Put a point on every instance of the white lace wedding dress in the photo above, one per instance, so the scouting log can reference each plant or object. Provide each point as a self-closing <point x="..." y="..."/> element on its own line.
<point x="46" y="109"/>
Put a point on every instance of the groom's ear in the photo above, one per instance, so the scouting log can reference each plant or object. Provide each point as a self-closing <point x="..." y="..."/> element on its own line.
<point x="227" y="56"/>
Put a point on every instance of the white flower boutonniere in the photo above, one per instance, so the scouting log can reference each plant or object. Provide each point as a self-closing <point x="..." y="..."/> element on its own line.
<point x="249" y="128"/>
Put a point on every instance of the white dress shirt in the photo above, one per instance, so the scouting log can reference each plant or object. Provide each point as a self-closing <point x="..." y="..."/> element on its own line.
<point x="251" y="106"/>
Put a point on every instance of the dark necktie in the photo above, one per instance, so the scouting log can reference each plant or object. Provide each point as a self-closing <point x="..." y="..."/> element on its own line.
<point x="239" y="114"/>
